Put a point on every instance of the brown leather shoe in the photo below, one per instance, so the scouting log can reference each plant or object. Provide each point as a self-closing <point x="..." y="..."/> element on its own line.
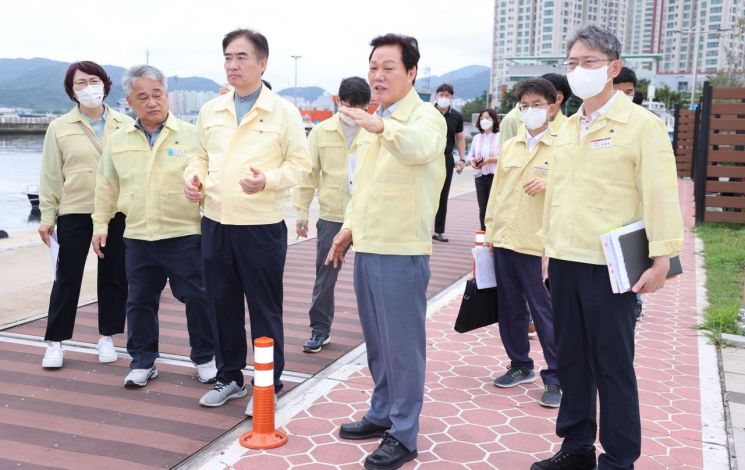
<point x="362" y="429"/>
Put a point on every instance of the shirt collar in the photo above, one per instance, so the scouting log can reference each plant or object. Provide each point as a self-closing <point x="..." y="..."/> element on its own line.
<point x="385" y="113"/>
<point x="599" y="112"/>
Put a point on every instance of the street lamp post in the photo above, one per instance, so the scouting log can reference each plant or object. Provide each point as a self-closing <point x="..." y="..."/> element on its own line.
<point x="697" y="34"/>
<point x="296" y="57"/>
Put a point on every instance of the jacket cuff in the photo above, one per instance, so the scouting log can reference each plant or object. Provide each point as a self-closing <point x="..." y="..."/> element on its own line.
<point x="665" y="248"/>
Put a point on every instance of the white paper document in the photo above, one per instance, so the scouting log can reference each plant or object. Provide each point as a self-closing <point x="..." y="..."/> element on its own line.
<point x="53" y="253"/>
<point x="485" y="276"/>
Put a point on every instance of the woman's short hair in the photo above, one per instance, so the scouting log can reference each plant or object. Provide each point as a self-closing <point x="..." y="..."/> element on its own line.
<point x="91" y="68"/>
<point x="494" y="117"/>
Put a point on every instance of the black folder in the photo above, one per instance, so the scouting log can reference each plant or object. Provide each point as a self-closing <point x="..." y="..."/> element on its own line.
<point x="636" y="260"/>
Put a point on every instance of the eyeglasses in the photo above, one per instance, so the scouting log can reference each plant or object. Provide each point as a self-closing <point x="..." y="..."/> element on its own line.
<point x="525" y="107"/>
<point x="570" y="65"/>
<point x="82" y="83"/>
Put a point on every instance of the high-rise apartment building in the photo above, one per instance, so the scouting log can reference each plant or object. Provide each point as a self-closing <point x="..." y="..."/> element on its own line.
<point x="657" y="36"/>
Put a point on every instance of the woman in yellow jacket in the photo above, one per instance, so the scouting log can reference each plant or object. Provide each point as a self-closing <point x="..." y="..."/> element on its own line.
<point x="72" y="149"/>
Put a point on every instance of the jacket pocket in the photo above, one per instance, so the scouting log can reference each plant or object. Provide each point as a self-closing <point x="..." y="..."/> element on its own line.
<point x="79" y="186"/>
<point x="392" y="213"/>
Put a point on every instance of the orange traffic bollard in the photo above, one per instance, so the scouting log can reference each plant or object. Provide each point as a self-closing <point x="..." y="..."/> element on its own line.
<point x="263" y="435"/>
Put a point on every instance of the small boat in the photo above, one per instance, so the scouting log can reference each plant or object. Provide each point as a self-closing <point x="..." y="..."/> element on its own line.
<point x="32" y="192"/>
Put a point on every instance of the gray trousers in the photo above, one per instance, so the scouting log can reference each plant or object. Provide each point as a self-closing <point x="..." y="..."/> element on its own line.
<point x="322" y="305"/>
<point x="392" y="302"/>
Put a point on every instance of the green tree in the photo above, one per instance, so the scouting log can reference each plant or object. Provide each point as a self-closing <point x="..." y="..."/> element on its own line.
<point x="474" y="106"/>
<point x="508" y="101"/>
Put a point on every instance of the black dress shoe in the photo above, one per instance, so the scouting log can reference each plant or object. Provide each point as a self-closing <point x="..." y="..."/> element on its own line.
<point x="566" y="461"/>
<point x="389" y="455"/>
<point x="440" y="237"/>
<point x="362" y="429"/>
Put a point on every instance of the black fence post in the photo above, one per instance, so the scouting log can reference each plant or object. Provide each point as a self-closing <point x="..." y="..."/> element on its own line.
<point x="702" y="154"/>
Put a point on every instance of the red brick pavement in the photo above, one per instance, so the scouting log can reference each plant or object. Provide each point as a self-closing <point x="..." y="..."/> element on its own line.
<point x="468" y="423"/>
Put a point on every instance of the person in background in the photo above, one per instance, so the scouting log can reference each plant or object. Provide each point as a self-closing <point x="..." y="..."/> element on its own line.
<point x="390" y="215"/>
<point x="72" y="150"/>
<point x="563" y="94"/>
<point x="141" y="173"/>
<point x="509" y="124"/>
<point x="514" y="216"/>
<point x="483" y="156"/>
<point x="331" y="145"/>
<point x="454" y="138"/>
<point x="613" y="165"/>
<point x="625" y="82"/>
<point x="251" y="150"/>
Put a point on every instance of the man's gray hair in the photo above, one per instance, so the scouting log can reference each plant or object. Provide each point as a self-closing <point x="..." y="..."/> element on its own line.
<point x="142" y="71"/>
<point x="597" y="38"/>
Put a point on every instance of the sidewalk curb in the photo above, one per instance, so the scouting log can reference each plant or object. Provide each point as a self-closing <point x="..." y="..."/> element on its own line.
<point x="226" y="451"/>
<point x="715" y="439"/>
<point x="736" y="341"/>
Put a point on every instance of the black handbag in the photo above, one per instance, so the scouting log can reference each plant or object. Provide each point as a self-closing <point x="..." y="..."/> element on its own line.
<point x="477" y="309"/>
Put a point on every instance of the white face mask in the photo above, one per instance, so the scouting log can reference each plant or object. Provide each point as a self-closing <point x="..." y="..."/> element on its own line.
<point x="90" y="96"/>
<point x="586" y="83"/>
<point x="443" y="102"/>
<point x="486" y="124"/>
<point x="346" y="120"/>
<point x="534" y="118"/>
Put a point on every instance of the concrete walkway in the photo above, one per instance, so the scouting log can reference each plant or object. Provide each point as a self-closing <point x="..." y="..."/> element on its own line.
<point x="468" y="423"/>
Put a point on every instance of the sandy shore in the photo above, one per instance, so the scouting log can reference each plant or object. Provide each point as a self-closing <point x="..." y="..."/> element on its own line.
<point x="26" y="272"/>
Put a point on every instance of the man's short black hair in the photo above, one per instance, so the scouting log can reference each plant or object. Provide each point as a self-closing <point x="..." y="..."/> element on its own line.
<point x="354" y="91"/>
<point x="267" y="84"/>
<point x="261" y="45"/>
<point x="536" y="86"/>
<point x="626" y="76"/>
<point x="409" y="48"/>
<point x="446" y="87"/>
<point x="638" y="97"/>
<point x="561" y="84"/>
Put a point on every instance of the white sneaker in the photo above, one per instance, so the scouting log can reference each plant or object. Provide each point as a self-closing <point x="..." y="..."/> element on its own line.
<point x="54" y="356"/>
<point x="221" y="393"/>
<point x="207" y="372"/>
<point x="106" y="351"/>
<point x="139" y="377"/>
<point x="250" y="407"/>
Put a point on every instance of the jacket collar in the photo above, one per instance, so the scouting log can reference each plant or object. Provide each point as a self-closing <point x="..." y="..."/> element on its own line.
<point x="75" y="115"/>
<point x="406" y="105"/>
<point x="265" y="100"/>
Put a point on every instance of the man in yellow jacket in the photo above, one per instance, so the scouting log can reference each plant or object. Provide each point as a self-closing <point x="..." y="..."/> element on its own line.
<point x="514" y="215"/>
<point x="251" y="149"/>
<point x="331" y="144"/>
<point x="141" y="173"/>
<point x="613" y="165"/>
<point x="396" y="193"/>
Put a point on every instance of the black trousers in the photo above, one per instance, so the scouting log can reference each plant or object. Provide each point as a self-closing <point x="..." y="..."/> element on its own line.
<point x="149" y="265"/>
<point x="74" y="233"/>
<point x="442" y="210"/>
<point x="245" y="260"/>
<point x="594" y="331"/>
<point x="483" y="186"/>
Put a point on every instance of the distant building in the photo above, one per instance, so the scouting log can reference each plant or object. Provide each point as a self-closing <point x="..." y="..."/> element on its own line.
<point x="530" y="37"/>
<point x="188" y="102"/>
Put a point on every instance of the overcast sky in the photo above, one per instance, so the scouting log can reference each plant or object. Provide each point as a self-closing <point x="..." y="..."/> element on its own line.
<point x="184" y="36"/>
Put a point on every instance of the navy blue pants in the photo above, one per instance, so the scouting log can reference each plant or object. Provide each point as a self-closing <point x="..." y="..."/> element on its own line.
<point x="595" y="353"/>
<point x="391" y="295"/>
<point x="149" y="265"/>
<point x="74" y="234"/>
<point x="245" y="260"/>
<point x="519" y="286"/>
